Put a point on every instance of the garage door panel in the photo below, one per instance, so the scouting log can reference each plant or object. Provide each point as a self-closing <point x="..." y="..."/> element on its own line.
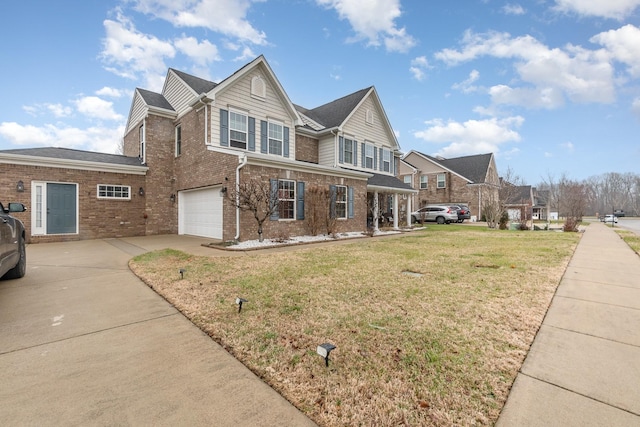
<point x="200" y="213"/>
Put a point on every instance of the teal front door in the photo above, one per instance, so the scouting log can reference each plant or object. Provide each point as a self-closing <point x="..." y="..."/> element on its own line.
<point x="61" y="208"/>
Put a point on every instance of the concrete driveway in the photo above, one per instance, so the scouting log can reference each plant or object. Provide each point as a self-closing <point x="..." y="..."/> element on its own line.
<point x="84" y="342"/>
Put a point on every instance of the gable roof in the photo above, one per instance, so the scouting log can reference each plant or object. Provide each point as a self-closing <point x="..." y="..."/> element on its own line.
<point x="153" y="99"/>
<point x="386" y="182"/>
<point x="473" y="168"/>
<point x="197" y="84"/>
<point x="334" y="113"/>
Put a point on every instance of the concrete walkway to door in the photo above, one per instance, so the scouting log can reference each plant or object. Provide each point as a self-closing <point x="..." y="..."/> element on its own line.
<point x="85" y="342"/>
<point x="583" y="368"/>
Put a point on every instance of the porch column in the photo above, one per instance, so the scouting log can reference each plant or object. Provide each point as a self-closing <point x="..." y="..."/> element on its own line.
<point x="409" y="196"/>
<point x="395" y="211"/>
<point x="375" y="212"/>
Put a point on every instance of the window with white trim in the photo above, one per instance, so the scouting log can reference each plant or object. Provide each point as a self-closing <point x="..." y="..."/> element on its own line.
<point x="178" y="140"/>
<point x="286" y="199"/>
<point x="275" y="138"/>
<point x="348" y="151"/>
<point x="238" y="130"/>
<point x="424" y="181"/>
<point x="106" y="191"/>
<point x="407" y="179"/>
<point x="441" y="181"/>
<point x="386" y="160"/>
<point x="141" y="142"/>
<point x="341" y="201"/>
<point x="368" y="156"/>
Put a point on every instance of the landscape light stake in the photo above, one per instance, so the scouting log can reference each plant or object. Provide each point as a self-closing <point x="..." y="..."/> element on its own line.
<point x="239" y="301"/>
<point x="182" y="271"/>
<point x="324" y="350"/>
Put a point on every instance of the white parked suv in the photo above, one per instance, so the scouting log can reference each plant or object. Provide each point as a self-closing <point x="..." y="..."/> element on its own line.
<point x="439" y="214"/>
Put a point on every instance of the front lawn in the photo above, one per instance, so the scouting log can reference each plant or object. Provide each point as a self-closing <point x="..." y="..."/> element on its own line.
<point x="431" y="327"/>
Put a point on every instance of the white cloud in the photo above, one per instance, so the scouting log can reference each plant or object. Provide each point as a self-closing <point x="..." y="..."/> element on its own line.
<point x="548" y="154"/>
<point x="467" y="86"/>
<point x="130" y="53"/>
<point x="513" y="9"/>
<point x="623" y="45"/>
<point x="615" y="9"/>
<point x="113" y="92"/>
<point x="472" y="136"/>
<point x="58" y="110"/>
<point x="101" y="139"/>
<point x="98" y="108"/>
<point x="418" y="67"/>
<point x="373" y="21"/>
<point x="228" y="17"/>
<point x="202" y="53"/>
<point x="547" y="76"/>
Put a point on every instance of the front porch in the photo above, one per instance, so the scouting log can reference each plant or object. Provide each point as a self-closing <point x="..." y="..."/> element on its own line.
<point x="383" y="203"/>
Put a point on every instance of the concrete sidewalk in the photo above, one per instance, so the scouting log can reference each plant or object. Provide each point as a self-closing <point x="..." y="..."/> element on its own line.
<point x="583" y="368"/>
<point x="84" y="342"/>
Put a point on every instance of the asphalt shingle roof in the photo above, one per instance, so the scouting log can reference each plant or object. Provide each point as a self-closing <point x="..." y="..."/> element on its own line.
<point x="335" y="112"/>
<point x="380" y="180"/>
<point x="196" y="83"/>
<point x="155" y="99"/>
<point x="474" y="167"/>
<point x="79" y="155"/>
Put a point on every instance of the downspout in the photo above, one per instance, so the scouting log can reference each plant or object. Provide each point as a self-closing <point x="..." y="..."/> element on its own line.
<point x="242" y="158"/>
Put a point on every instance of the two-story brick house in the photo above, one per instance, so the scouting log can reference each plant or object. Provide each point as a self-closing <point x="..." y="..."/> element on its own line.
<point x="472" y="180"/>
<point x="188" y="147"/>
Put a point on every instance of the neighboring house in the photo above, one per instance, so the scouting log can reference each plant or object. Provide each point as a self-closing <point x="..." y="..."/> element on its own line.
<point x="471" y="180"/>
<point x="525" y="202"/>
<point x="186" y="147"/>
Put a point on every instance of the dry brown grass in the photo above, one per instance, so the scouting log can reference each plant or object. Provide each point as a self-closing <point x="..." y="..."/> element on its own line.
<point x="442" y="348"/>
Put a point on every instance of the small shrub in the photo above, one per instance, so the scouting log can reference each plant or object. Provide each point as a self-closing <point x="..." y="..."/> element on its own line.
<point x="504" y="219"/>
<point x="524" y="226"/>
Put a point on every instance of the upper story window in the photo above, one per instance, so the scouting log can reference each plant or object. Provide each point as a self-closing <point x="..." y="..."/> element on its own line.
<point x="114" y="191"/>
<point x="238" y="130"/>
<point x="386" y="160"/>
<point x="286" y="199"/>
<point x="178" y="140"/>
<point x="275" y="138"/>
<point x="348" y="151"/>
<point x="341" y="201"/>
<point x="441" y="181"/>
<point x="423" y="181"/>
<point x="368" y="156"/>
<point x="407" y="179"/>
<point x="141" y="142"/>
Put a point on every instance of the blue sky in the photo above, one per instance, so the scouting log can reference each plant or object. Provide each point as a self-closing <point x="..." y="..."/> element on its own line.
<point x="550" y="86"/>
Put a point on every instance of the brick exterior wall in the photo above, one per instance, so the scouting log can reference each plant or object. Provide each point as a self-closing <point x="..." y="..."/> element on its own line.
<point x="307" y="149"/>
<point x="97" y="218"/>
<point x="289" y="228"/>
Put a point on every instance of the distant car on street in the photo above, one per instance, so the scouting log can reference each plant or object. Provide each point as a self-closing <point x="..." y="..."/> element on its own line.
<point x="610" y="218"/>
<point x="619" y="213"/>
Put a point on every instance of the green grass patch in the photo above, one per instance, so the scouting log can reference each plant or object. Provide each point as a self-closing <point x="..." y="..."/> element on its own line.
<point x="440" y="347"/>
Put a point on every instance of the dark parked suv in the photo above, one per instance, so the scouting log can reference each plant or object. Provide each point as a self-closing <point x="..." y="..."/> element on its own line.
<point x="463" y="213"/>
<point x="13" y="257"/>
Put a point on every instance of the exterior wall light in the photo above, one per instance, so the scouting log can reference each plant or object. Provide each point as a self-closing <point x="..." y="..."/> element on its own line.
<point x="141" y="191"/>
<point x="20" y="187"/>
<point x="172" y="198"/>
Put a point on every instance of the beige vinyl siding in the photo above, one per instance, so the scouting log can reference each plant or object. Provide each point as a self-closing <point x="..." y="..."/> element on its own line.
<point x="138" y="111"/>
<point x="327" y="151"/>
<point x="178" y="93"/>
<point x="239" y="96"/>
<point x="424" y="166"/>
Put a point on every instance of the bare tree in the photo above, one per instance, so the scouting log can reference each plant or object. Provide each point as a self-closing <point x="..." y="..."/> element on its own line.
<point x="317" y="205"/>
<point x="494" y="207"/>
<point x="257" y="197"/>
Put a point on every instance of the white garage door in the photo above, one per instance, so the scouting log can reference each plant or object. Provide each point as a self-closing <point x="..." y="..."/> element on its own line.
<point x="200" y="212"/>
